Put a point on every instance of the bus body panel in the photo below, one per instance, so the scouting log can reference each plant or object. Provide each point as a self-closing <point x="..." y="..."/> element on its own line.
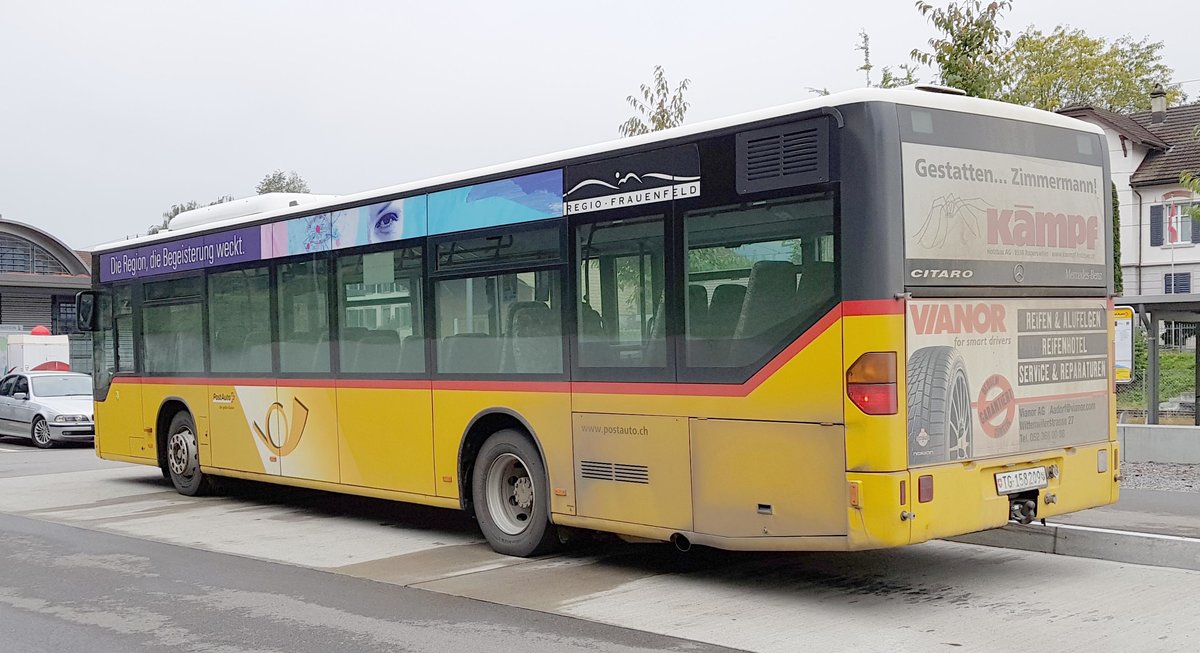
<point x="155" y="393"/>
<point x="868" y="447"/>
<point x="634" y="468"/>
<point x="545" y="410"/>
<point x="308" y="432"/>
<point x="385" y="438"/>
<point x="235" y="409"/>
<point x="799" y="489"/>
<point x="119" y="422"/>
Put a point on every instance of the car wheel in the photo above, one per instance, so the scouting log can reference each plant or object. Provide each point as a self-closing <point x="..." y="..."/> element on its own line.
<point x="183" y="457"/>
<point x="40" y="433"/>
<point x="512" y="497"/>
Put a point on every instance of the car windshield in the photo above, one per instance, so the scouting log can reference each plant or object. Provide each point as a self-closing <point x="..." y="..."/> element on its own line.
<point x="61" y="386"/>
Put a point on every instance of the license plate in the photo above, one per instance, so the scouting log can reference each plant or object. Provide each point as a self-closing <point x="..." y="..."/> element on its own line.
<point x="1020" y="480"/>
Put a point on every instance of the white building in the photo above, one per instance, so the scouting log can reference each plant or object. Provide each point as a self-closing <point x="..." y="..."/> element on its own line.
<point x="1160" y="246"/>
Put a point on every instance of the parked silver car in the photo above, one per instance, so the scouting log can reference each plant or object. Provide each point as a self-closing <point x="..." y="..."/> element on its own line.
<point x="47" y="407"/>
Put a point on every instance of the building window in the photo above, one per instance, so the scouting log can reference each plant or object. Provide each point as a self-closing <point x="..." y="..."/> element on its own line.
<point x="20" y="255"/>
<point x="1177" y="283"/>
<point x="1171" y="224"/>
<point x="63" y="317"/>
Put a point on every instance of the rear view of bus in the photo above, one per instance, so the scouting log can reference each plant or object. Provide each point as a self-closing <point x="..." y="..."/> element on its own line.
<point x="1007" y="265"/>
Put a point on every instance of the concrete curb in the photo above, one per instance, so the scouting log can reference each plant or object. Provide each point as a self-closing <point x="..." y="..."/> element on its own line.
<point x="1089" y="542"/>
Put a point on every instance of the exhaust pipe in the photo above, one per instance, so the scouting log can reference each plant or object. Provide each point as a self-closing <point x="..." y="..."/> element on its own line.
<point x="681" y="542"/>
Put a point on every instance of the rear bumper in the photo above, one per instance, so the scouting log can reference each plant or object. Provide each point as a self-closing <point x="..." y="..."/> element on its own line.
<point x="965" y="498"/>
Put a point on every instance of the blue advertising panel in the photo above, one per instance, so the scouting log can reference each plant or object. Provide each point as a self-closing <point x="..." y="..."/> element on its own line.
<point x="224" y="248"/>
<point x="507" y="201"/>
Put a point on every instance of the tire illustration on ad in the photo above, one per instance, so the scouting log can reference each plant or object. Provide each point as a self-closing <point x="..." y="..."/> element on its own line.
<point x="940" y="423"/>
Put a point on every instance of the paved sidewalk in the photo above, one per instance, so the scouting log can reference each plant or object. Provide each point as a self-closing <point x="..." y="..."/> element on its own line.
<point x="1148" y="527"/>
<point x="1160" y="512"/>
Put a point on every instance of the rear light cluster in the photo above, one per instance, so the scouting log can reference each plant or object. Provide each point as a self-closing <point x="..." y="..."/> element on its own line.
<point x="871" y="383"/>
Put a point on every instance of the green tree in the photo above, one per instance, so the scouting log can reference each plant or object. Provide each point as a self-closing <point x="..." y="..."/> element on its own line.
<point x="658" y="107"/>
<point x="1069" y="68"/>
<point x="282" y="182"/>
<point x="1118" y="281"/>
<point x="889" y="79"/>
<point x="176" y="209"/>
<point x="971" y="50"/>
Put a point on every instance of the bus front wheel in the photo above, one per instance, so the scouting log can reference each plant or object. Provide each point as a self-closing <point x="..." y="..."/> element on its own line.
<point x="511" y="495"/>
<point x="183" y="457"/>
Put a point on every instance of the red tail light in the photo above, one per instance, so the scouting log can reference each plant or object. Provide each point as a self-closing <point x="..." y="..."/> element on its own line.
<point x="871" y="383"/>
<point x="925" y="489"/>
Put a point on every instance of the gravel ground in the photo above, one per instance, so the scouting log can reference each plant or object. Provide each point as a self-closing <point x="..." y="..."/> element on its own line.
<point x="1161" y="476"/>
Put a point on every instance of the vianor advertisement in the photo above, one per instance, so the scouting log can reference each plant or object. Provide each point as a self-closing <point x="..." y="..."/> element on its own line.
<point x="1002" y="376"/>
<point x="977" y="218"/>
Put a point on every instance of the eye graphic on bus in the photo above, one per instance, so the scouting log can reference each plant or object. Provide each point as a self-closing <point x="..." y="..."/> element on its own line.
<point x="386" y="223"/>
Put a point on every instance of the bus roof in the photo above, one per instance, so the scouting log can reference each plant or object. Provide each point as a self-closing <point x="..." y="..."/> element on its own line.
<point x="920" y="96"/>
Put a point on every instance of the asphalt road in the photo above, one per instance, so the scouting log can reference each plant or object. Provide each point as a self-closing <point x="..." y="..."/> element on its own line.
<point x="109" y="557"/>
<point x="64" y="588"/>
<point x="68" y="589"/>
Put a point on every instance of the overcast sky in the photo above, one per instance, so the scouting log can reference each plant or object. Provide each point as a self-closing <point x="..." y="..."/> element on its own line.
<point x="112" y="111"/>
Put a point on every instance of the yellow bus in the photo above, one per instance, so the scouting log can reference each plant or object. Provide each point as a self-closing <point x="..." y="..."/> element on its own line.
<point x="864" y="320"/>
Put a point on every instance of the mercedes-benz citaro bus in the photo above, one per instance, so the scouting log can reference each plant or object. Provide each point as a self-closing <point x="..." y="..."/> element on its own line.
<point x="863" y="320"/>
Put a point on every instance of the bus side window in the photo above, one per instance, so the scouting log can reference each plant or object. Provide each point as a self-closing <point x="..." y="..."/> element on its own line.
<point x="765" y="270"/>
<point x="621" y="279"/>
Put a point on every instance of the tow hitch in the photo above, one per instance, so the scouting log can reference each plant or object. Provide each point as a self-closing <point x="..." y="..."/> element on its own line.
<point x="1022" y="508"/>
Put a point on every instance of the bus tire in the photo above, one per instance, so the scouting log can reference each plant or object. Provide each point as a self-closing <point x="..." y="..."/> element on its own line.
<point x="939" y="405"/>
<point x="183" y="457"/>
<point x="512" y="496"/>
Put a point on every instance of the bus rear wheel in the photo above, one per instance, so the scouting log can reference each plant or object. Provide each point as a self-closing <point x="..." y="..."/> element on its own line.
<point x="512" y="497"/>
<point x="183" y="457"/>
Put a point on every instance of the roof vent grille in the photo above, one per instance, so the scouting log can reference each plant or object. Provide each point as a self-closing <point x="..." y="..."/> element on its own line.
<point x="780" y="157"/>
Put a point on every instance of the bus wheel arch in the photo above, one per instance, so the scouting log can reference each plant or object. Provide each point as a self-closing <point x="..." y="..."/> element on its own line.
<point x="177" y="442"/>
<point x="162" y="424"/>
<point x="479" y="429"/>
<point x="504" y="482"/>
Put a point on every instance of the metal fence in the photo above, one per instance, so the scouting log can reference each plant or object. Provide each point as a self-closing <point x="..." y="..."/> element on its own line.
<point x="1176" y="378"/>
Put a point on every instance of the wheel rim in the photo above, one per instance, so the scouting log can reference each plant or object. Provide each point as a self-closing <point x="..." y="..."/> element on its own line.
<point x="181" y="453"/>
<point x="41" y="432"/>
<point x="510" y="494"/>
<point x="959" y="431"/>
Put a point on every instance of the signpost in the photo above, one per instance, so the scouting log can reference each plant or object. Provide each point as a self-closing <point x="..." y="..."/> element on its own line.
<point x="1123" y="344"/>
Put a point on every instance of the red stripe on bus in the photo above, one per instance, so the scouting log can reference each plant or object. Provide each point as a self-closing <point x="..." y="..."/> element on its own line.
<point x="382" y="384"/>
<point x="873" y="307"/>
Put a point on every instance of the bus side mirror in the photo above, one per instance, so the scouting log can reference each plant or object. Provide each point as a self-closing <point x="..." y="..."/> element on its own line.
<point x="87" y="317"/>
